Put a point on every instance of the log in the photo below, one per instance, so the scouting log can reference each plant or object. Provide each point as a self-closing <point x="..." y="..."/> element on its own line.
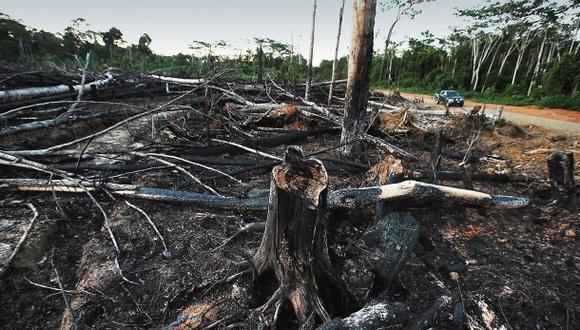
<point x="12" y="130"/>
<point x="294" y="246"/>
<point x="426" y="319"/>
<point x="476" y="176"/>
<point x="377" y="316"/>
<point x="29" y="93"/>
<point x="180" y="81"/>
<point x="344" y="198"/>
<point x="392" y="240"/>
<point x="413" y="193"/>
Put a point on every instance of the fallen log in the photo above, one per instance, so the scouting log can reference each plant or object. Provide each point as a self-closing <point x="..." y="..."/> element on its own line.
<point x="29" y="93"/>
<point x="414" y="193"/>
<point x="405" y="192"/>
<point x="12" y="130"/>
<point x="377" y="316"/>
<point x="391" y="240"/>
<point x="181" y="81"/>
<point x="477" y="176"/>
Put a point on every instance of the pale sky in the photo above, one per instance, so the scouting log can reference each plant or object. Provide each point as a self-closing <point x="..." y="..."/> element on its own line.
<point x="173" y="24"/>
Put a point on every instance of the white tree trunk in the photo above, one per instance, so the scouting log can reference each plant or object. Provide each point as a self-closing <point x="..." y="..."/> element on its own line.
<point x="538" y="64"/>
<point x="505" y="58"/>
<point x="333" y="79"/>
<point x="34" y="92"/>
<point x="311" y="53"/>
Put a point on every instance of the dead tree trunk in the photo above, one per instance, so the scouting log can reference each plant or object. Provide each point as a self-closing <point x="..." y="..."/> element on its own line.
<point x="359" y="69"/>
<point x="294" y="245"/>
<point x="260" y="77"/>
<point x="333" y="79"/>
<point x="310" y="54"/>
<point x="561" y="170"/>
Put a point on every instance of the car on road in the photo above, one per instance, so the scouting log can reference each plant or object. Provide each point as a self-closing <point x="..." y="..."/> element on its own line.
<point x="449" y="98"/>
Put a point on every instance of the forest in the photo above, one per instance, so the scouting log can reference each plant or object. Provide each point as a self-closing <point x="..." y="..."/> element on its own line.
<point x="514" y="52"/>
<point x="227" y="188"/>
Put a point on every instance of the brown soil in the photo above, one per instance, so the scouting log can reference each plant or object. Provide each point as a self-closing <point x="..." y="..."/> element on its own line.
<point x="549" y="113"/>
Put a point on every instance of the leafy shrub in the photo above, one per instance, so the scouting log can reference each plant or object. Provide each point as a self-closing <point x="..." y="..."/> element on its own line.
<point x="562" y="101"/>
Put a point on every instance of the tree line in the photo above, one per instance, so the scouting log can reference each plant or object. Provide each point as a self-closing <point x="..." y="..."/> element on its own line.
<point x="513" y="51"/>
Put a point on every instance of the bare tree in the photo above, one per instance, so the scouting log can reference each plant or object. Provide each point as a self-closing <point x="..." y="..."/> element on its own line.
<point x="538" y="63"/>
<point x="359" y="69"/>
<point x="404" y="7"/>
<point x="310" y="53"/>
<point x="333" y="79"/>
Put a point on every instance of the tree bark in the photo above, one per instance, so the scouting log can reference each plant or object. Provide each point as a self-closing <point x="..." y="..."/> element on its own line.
<point x="359" y="68"/>
<point x="294" y="245"/>
<point x="387" y="41"/>
<point x="310" y="53"/>
<point x="538" y="64"/>
<point x="561" y="170"/>
<point x="34" y="92"/>
<point x="260" y="77"/>
<point x="333" y="79"/>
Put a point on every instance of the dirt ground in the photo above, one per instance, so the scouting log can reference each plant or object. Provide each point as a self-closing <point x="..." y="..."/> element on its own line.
<point x="549" y="113"/>
<point x="523" y="265"/>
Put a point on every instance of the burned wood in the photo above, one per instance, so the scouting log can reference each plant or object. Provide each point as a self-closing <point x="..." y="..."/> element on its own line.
<point x="414" y="193"/>
<point x="294" y="245"/>
<point x="12" y="130"/>
<point x="376" y="316"/>
<point x="407" y="193"/>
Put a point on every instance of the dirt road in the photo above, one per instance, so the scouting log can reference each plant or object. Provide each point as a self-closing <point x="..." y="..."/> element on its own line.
<point x="551" y="118"/>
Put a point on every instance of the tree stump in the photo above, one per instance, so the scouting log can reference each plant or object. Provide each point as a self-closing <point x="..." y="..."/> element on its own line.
<point x="561" y="169"/>
<point x="294" y="245"/>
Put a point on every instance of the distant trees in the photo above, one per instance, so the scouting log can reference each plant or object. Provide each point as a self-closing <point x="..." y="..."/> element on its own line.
<point x="404" y="8"/>
<point x="112" y="38"/>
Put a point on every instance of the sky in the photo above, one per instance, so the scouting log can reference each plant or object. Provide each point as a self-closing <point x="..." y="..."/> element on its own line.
<point x="173" y="24"/>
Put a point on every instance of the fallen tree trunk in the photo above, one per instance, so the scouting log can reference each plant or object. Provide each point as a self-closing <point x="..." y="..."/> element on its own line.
<point x="29" y="93"/>
<point x="413" y="193"/>
<point x="377" y="316"/>
<point x="11" y="130"/>
<point x="180" y="81"/>
<point x="477" y="176"/>
<point x="408" y="193"/>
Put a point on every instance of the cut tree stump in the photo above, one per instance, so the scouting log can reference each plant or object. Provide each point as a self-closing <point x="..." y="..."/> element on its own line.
<point x="294" y="245"/>
<point x="561" y="170"/>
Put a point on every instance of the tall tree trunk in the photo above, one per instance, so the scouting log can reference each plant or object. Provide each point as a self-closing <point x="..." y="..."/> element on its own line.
<point x="333" y="79"/>
<point x="389" y="75"/>
<point x="538" y="64"/>
<point x="487" y="48"/>
<point x="505" y="58"/>
<point x="260" y="64"/>
<point x="574" y="38"/>
<point x="310" y="53"/>
<point x="359" y="69"/>
<point x="387" y="41"/>
<point x="489" y="68"/>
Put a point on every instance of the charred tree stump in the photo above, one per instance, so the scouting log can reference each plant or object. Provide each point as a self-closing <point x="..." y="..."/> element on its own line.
<point x="294" y="245"/>
<point x="561" y="170"/>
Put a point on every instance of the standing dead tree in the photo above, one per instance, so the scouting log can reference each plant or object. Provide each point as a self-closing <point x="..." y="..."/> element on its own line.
<point x="310" y="53"/>
<point x="333" y="79"/>
<point x="359" y="68"/>
<point x="294" y="245"/>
